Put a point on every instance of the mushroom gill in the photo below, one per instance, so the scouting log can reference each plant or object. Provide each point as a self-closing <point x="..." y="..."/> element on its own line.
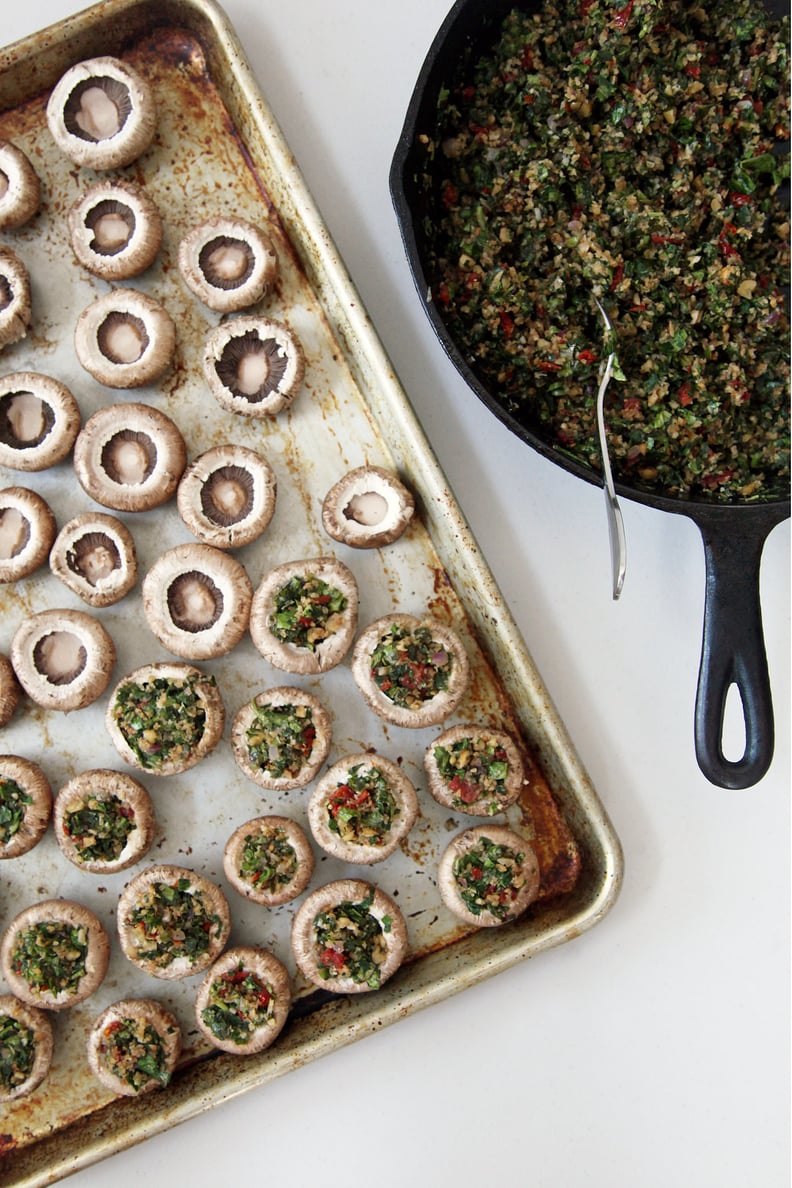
<point x="251" y="367"/>
<point x="194" y="601"/>
<point x="254" y="366"/>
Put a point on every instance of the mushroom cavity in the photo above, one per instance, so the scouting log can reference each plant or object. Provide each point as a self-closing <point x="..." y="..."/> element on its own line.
<point x="133" y="1046"/>
<point x="20" y="189"/>
<point x="27" y="530"/>
<point x="304" y="615"/>
<point x="63" y="659"/>
<point x="164" y="718"/>
<point x="15" y="308"/>
<point x="488" y="875"/>
<point x="39" y="421"/>
<point x="196" y="600"/>
<point x="226" y="496"/>
<point x="254" y="366"/>
<point x="115" y="230"/>
<point x="367" y="508"/>
<point x="269" y="860"/>
<point x="101" y="113"/>
<point x="362" y="808"/>
<point x="103" y="821"/>
<point x="411" y="671"/>
<point x="54" y="954"/>
<point x="26" y="1043"/>
<point x="474" y="769"/>
<point x="243" y="1002"/>
<point x="94" y="555"/>
<point x="125" y="339"/>
<point x="227" y="263"/>
<point x="129" y="457"/>
<point x="25" y="805"/>
<point x="281" y="738"/>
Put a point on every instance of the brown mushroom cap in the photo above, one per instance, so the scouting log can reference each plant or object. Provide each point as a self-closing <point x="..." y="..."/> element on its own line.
<point x="184" y="686"/>
<point x="475" y="798"/>
<point x="9" y="690"/>
<point x="63" y="658"/>
<point x="304" y="766"/>
<point x="425" y="712"/>
<point x="94" y="555"/>
<point x="368" y="508"/>
<point x="90" y="969"/>
<point x="39" y="420"/>
<point x="332" y="840"/>
<point x="226" y="496"/>
<point x="15" y="307"/>
<point x="129" y="457"/>
<point x="27" y="530"/>
<point x="125" y="339"/>
<point x="228" y="263"/>
<point x="140" y="1014"/>
<point x="341" y="627"/>
<point x="115" y="229"/>
<point x="168" y="962"/>
<point x="462" y="844"/>
<point x="294" y="869"/>
<point x="34" y="785"/>
<point x="20" y="188"/>
<point x="101" y="113"/>
<point x="269" y="974"/>
<point x="39" y="1040"/>
<point x="88" y="791"/>
<point x="254" y="366"/>
<point x="196" y="600"/>
<point x="385" y="911"/>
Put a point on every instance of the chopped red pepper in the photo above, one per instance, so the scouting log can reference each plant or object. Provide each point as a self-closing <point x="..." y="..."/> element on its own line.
<point x="622" y="17"/>
<point x="332" y="957"/>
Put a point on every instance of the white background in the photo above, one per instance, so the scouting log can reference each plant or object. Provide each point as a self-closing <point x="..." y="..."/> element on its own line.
<point x="654" y="1050"/>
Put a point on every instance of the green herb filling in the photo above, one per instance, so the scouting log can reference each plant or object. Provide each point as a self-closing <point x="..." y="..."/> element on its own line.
<point x="307" y="611"/>
<point x="13" y="806"/>
<point x="280" y="739"/>
<point x="135" y="1052"/>
<point x="362" y="810"/>
<point x="17" y="1052"/>
<point x="51" y="956"/>
<point x="489" y="878"/>
<point x="239" y="1004"/>
<point x="100" y="828"/>
<point x="162" y="720"/>
<point x="474" y="769"/>
<point x="268" y="860"/>
<point x="173" y="921"/>
<point x="350" y="943"/>
<point x="410" y="667"/>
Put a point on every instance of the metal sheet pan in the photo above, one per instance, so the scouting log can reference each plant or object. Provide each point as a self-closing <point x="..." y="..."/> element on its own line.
<point x="218" y="149"/>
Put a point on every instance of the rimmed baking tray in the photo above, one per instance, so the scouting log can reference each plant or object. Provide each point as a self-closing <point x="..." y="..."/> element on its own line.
<point x="218" y="149"/>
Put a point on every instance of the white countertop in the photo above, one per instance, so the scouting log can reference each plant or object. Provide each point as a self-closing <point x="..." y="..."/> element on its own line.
<point x="653" y="1050"/>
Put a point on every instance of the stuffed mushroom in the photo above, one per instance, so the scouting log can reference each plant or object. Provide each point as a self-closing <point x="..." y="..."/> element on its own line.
<point x="475" y="770"/>
<point x="54" y="954"/>
<point x="27" y="531"/>
<point x="254" y="366"/>
<point x="243" y="1002"/>
<point x="103" y="821"/>
<point x="304" y="615"/>
<point x="26" y="1044"/>
<point x="362" y="808"/>
<point x="20" y="188"/>
<point x="281" y="738"/>
<point x="226" y="496"/>
<point x="125" y="339"/>
<point x="165" y="718"/>
<point x="101" y="113"/>
<point x="63" y="658"/>
<point x="39" y="421"/>
<point x="115" y="229"/>
<point x="172" y="921"/>
<point x="94" y="556"/>
<point x="133" y="1046"/>
<point x="367" y="509"/>
<point x="129" y="457"/>
<point x="488" y="875"/>
<point x="228" y="263"/>
<point x="25" y="805"/>
<point x="269" y="860"/>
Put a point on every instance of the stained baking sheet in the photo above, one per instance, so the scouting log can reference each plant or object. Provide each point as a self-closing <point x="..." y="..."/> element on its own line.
<point x="218" y="150"/>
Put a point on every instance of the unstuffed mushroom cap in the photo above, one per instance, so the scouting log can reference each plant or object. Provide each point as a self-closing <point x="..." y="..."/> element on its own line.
<point x="267" y="746"/>
<point x="89" y="793"/>
<point x="129" y="457"/>
<point x="94" y="556"/>
<point x="27" y="531"/>
<point x="62" y="658"/>
<point x="15" y="307"/>
<point x="113" y="1067"/>
<point x="333" y="972"/>
<point x="228" y="984"/>
<point x="165" y="955"/>
<point x="39" y="421"/>
<point x="101" y="113"/>
<point x="228" y="263"/>
<point x="115" y="229"/>
<point x="9" y="690"/>
<point x="352" y="839"/>
<point x="254" y="366"/>
<point x="226" y="496"/>
<point x="430" y="688"/>
<point x="75" y="977"/>
<point x="453" y="882"/>
<point x="277" y="598"/>
<point x="140" y="709"/>
<point x="37" y="1029"/>
<point x="20" y="187"/>
<point x="462" y="776"/>
<point x="125" y="339"/>
<point x="34" y="786"/>
<point x="269" y="860"/>
<point x="367" y="509"/>
<point x="196" y="600"/>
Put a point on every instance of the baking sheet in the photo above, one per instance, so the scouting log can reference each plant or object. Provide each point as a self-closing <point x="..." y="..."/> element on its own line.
<point x="218" y="150"/>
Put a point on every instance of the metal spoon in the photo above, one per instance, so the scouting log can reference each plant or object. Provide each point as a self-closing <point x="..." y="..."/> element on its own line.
<point x="618" y="545"/>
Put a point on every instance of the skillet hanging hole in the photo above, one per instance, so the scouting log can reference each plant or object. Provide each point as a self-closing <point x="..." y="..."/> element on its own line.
<point x="733" y="734"/>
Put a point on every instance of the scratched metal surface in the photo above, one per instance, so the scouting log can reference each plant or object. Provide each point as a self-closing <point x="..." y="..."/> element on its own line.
<point x="217" y="150"/>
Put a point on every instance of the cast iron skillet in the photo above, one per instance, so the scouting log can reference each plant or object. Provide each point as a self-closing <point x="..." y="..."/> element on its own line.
<point x="733" y="649"/>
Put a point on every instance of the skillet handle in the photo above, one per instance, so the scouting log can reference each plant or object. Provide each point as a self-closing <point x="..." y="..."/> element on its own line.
<point x="733" y="652"/>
